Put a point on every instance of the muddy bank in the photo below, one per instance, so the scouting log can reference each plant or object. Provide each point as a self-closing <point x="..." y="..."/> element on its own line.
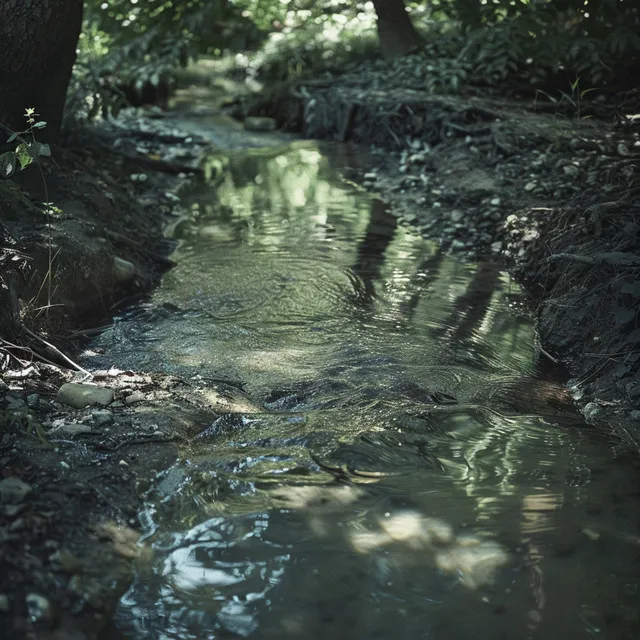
<point x="69" y="476"/>
<point x="551" y="191"/>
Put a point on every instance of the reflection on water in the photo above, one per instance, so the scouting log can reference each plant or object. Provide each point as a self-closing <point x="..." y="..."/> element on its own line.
<point x="412" y="472"/>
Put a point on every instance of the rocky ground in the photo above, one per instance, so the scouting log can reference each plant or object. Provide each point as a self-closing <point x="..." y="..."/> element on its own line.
<point x="70" y="463"/>
<point x="549" y="188"/>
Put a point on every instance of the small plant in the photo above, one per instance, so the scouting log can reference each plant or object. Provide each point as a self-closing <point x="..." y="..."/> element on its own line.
<point x="28" y="148"/>
<point x="574" y="98"/>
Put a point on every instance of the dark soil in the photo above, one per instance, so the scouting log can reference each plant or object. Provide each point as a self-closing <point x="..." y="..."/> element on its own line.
<point x="68" y="545"/>
<point x="551" y="190"/>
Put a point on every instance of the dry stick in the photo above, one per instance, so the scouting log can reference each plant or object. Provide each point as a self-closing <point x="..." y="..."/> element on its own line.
<point x="548" y="355"/>
<point x="31" y="352"/>
<point x="573" y="257"/>
<point x="57" y="351"/>
<point x="592" y="261"/>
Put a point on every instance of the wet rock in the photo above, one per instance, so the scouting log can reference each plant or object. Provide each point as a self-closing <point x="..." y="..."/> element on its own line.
<point x="79" y="395"/>
<point x="39" y="608"/>
<point x="136" y="396"/>
<point x="530" y="186"/>
<point x="457" y="215"/>
<point x="102" y="417"/>
<point x="633" y="390"/>
<point x="5" y="605"/>
<point x="591" y="411"/>
<point x="635" y="414"/>
<point x="14" y="490"/>
<point x="33" y="400"/>
<point x="3" y="386"/>
<point x="70" y="430"/>
<point x="254" y="123"/>
<point x="16" y="404"/>
<point x="123" y="270"/>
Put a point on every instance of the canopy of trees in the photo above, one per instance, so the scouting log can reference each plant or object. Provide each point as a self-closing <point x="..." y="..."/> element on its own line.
<point x="128" y="44"/>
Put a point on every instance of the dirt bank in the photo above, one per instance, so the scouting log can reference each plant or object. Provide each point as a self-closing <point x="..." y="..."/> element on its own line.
<point x="70" y="477"/>
<point x="550" y="188"/>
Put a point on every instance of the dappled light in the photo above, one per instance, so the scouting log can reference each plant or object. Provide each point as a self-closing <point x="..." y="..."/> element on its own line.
<point x="319" y="319"/>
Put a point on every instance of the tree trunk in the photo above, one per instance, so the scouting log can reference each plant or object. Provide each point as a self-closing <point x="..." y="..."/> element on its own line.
<point x="397" y="34"/>
<point x="38" y="40"/>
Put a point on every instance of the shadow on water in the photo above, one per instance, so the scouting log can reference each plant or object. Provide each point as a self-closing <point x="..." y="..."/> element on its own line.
<point x="413" y="472"/>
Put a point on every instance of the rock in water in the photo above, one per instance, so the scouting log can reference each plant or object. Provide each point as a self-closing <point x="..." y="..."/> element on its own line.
<point x="254" y="123"/>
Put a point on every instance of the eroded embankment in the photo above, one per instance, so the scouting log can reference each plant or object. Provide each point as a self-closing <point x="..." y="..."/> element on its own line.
<point x="69" y="489"/>
<point x="555" y="195"/>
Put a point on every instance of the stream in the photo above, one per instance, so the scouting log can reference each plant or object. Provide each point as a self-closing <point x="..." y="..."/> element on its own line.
<point x="406" y="465"/>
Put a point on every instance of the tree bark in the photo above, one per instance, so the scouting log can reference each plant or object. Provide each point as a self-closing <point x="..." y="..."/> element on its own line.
<point x="38" y="40"/>
<point x="396" y="33"/>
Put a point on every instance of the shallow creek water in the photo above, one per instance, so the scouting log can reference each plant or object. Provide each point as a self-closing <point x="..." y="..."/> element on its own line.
<point x="408" y="469"/>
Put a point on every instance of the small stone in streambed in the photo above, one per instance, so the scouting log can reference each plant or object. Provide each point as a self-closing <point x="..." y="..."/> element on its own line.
<point x="33" y="400"/>
<point x="136" y="396"/>
<point x="39" y="608"/>
<point x="70" y="430"/>
<point x="254" y="123"/>
<point x="102" y="417"/>
<point x="14" y="490"/>
<point x="123" y="270"/>
<point x="79" y="395"/>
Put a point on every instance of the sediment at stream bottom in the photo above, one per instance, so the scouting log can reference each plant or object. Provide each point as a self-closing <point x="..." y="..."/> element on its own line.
<point x="553" y="195"/>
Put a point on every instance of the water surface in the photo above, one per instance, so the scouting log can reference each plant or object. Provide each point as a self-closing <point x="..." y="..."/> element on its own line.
<point x="411" y="469"/>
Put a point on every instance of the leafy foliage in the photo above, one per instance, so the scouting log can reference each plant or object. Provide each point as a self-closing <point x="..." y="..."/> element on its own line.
<point x="131" y="49"/>
<point x="28" y="148"/>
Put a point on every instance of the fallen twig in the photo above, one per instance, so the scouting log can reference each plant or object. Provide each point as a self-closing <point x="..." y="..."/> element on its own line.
<point x="57" y="351"/>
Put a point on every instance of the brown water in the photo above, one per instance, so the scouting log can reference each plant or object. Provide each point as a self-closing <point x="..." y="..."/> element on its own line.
<point x="413" y="471"/>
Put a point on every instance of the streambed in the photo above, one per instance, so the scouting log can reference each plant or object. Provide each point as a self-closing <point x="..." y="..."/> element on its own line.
<point x="405" y="464"/>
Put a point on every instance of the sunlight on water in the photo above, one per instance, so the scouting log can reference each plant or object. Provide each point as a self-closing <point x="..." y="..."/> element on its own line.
<point x="403" y="466"/>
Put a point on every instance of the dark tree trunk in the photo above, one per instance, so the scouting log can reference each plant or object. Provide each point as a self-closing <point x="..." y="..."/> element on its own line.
<point x="397" y="34"/>
<point x="38" y="40"/>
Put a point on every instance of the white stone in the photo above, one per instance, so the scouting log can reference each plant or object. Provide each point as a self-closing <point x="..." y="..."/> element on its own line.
<point x="80" y="395"/>
<point x="123" y="270"/>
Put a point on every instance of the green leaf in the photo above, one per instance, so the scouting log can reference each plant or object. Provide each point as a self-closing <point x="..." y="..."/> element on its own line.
<point x="7" y="164"/>
<point x="39" y="125"/>
<point x="24" y="155"/>
<point x="41" y="149"/>
<point x="12" y="137"/>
